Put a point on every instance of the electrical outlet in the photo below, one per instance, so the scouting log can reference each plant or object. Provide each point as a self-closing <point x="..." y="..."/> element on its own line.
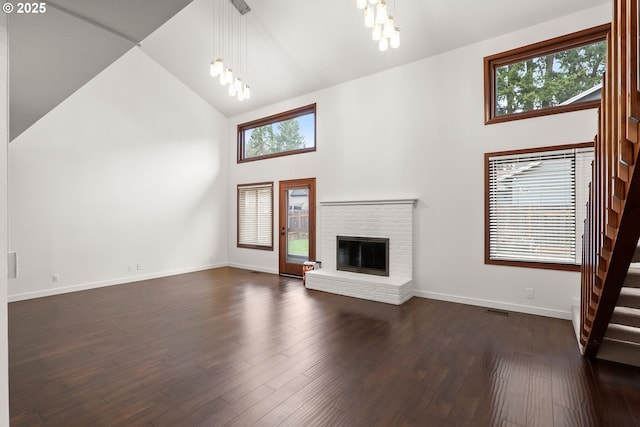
<point x="528" y="293"/>
<point x="139" y="266"/>
<point x="55" y="278"/>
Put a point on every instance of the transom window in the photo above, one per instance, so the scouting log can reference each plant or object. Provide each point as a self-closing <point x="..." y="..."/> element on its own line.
<point x="535" y="206"/>
<point x="291" y="132"/>
<point x="553" y="76"/>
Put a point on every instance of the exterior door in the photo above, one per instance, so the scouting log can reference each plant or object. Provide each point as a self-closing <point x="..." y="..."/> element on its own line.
<point x="297" y="227"/>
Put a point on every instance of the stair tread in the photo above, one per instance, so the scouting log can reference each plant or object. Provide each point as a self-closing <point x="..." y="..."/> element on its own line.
<point x="619" y="351"/>
<point x="623" y="333"/>
<point x="633" y="278"/>
<point x="630" y="291"/>
<point x="629" y="297"/>
<point x="636" y="255"/>
<point x="626" y="316"/>
<point x="627" y="310"/>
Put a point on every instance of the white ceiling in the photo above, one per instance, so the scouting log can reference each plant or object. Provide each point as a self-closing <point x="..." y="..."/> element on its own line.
<point x="53" y="54"/>
<point x="296" y="47"/>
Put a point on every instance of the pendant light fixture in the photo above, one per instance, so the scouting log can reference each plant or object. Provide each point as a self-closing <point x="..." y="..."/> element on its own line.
<point x="381" y="12"/>
<point x="230" y="42"/>
<point x="369" y="16"/>
<point x="395" y="39"/>
<point x="383" y="28"/>
<point x="388" y="28"/>
<point x="383" y="44"/>
<point x="376" y="33"/>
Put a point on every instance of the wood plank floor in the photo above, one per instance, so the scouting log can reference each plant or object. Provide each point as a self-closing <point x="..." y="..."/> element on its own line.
<point x="238" y="348"/>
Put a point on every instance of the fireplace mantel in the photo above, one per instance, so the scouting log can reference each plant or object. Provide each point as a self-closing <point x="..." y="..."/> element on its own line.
<point x="370" y="202"/>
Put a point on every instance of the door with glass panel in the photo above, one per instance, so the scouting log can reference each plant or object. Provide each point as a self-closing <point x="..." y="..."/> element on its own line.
<point x="297" y="227"/>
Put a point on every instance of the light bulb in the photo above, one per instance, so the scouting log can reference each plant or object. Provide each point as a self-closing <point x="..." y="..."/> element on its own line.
<point x="223" y="79"/>
<point x="373" y="2"/>
<point x="217" y="67"/>
<point x="238" y="84"/>
<point x="369" y="17"/>
<point x="381" y="12"/>
<point x="240" y="95"/>
<point x="228" y="76"/>
<point x="247" y="92"/>
<point x="395" y="39"/>
<point x="383" y="44"/>
<point x="376" y="33"/>
<point x="361" y="4"/>
<point x="388" y="29"/>
<point x="232" y="90"/>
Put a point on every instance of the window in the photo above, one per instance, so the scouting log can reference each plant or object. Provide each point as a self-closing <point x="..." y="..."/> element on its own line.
<point x="291" y="132"/>
<point x="535" y="206"/>
<point x="553" y="76"/>
<point x="255" y="216"/>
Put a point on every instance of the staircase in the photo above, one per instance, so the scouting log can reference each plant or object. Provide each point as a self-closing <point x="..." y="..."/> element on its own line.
<point x="621" y="342"/>
<point x="610" y="275"/>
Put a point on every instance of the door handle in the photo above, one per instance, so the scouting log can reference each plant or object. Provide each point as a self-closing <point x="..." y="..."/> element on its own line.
<point x="283" y="232"/>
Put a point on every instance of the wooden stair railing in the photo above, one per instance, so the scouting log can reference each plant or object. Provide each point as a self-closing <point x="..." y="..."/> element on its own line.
<point x="612" y="224"/>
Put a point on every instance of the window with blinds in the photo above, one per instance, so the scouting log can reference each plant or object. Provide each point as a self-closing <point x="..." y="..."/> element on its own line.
<point x="536" y="206"/>
<point x="255" y="216"/>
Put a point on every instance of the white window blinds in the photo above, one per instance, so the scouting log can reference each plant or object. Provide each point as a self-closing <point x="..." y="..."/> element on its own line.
<point x="255" y="216"/>
<point x="536" y="205"/>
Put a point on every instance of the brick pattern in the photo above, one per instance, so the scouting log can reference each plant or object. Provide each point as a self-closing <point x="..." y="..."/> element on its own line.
<point x="392" y="221"/>
<point x="383" y="220"/>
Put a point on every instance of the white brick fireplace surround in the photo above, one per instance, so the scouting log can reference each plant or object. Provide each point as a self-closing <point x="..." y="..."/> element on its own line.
<point x="392" y="219"/>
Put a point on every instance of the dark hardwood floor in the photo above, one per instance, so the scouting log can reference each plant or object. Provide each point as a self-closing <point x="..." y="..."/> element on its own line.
<point x="232" y="347"/>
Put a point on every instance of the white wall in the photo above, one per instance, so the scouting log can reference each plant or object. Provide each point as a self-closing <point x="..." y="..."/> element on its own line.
<point x="131" y="169"/>
<point x="4" y="141"/>
<point x="418" y="131"/>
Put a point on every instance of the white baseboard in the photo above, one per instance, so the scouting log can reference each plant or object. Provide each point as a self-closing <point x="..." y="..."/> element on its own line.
<point x="253" y="268"/>
<point x="567" y="315"/>
<point x="558" y="314"/>
<point x="575" y="319"/>
<point x="112" y="282"/>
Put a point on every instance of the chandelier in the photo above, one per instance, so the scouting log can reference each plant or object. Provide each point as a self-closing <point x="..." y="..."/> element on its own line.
<point x="383" y="29"/>
<point x="230" y="42"/>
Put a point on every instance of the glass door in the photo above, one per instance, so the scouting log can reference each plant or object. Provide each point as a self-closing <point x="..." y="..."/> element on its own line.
<point x="297" y="224"/>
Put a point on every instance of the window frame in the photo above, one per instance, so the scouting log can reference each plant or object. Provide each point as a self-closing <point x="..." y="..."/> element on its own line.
<point x="546" y="47"/>
<point x="275" y="118"/>
<point x="487" y="218"/>
<point x="249" y="246"/>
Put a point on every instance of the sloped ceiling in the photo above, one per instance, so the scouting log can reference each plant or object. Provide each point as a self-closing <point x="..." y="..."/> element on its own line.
<point x="53" y="54"/>
<point x="296" y="47"/>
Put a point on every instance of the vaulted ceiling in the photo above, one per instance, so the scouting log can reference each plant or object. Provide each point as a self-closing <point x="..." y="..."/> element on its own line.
<point x="53" y="54"/>
<point x="294" y="47"/>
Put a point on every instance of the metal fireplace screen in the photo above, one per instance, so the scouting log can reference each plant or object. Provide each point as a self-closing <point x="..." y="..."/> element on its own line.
<point x="369" y="255"/>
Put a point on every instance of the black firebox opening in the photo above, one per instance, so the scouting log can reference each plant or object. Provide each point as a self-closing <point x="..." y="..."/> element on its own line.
<point x="369" y="255"/>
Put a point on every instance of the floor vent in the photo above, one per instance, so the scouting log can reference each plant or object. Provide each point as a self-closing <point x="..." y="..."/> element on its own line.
<point x="496" y="311"/>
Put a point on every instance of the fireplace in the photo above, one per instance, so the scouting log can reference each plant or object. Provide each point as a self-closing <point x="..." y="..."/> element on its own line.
<point x="368" y="255"/>
<point x="387" y="261"/>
